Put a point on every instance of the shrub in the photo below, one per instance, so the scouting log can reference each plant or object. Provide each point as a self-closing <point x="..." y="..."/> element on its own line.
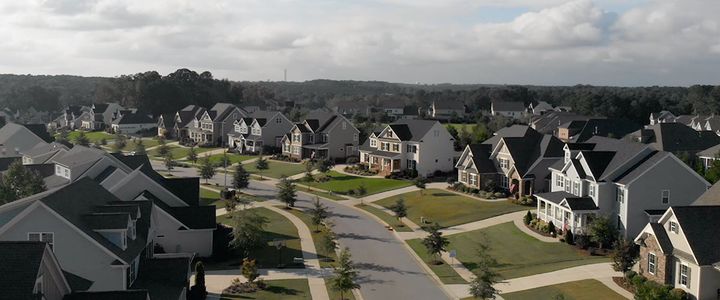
<point x="569" y="238"/>
<point x="351" y="160"/>
<point x="321" y="177"/>
<point x="528" y="218"/>
<point x="582" y="241"/>
<point x="474" y="191"/>
<point x="678" y="293"/>
<point x="551" y="228"/>
<point x="498" y="195"/>
<point x="630" y="274"/>
<point x="351" y="192"/>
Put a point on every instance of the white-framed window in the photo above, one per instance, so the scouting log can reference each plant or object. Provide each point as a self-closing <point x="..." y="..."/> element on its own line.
<point x="684" y="275"/>
<point x="355" y="137"/>
<point x="591" y="190"/>
<point x="473" y="179"/>
<point x="373" y="143"/>
<point x="504" y="163"/>
<point x="464" y="176"/>
<point x="673" y="227"/>
<point x="652" y="261"/>
<point x="576" y="188"/>
<point x="568" y="185"/>
<point x="665" y="196"/>
<point x="504" y="181"/>
<point x="620" y="195"/>
<point x="559" y="180"/>
<point x="395" y="147"/>
<point x="47" y="237"/>
<point x="344" y="125"/>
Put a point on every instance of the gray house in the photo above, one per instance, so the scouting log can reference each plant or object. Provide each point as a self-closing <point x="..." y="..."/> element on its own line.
<point x="260" y="129"/>
<point x="322" y="136"/>
<point x="36" y="273"/>
<point x="16" y="139"/>
<point x="215" y="124"/>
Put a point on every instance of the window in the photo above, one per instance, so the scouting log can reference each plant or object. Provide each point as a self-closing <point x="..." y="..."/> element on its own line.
<point x="473" y="179"/>
<point x="651" y="263"/>
<point x="665" y="196"/>
<point x="591" y="190"/>
<point x="673" y="227"/>
<point x="396" y="147"/>
<point x="436" y="133"/>
<point x="463" y="176"/>
<point x="559" y="180"/>
<point x="684" y="275"/>
<point x="504" y="181"/>
<point x="278" y="120"/>
<point x="389" y="133"/>
<point x="47" y="237"/>
<point x="576" y="188"/>
<point x="344" y="125"/>
<point x="504" y="163"/>
<point x="567" y="185"/>
<point x="373" y="143"/>
<point x="620" y="195"/>
<point x="355" y="137"/>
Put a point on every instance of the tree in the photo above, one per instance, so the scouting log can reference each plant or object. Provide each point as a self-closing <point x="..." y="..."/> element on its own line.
<point x="20" y="182"/>
<point x="169" y="161"/>
<point x="261" y="163"/>
<point x="248" y="231"/>
<point x="249" y="270"/>
<point x="601" y="231"/>
<point x="230" y="206"/>
<point x="163" y="149"/>
<point x="82" y="139"/>
<point x="399" y="208"/>
<point x="207" y="170"/>
<point x="346" y="276"/>
<point x="120" y="143"/>
<point x="286" y="192"/>
<point x="624" y="255"/>
<point x="435" y="243"/>
<point x="199" y="291"/>
<point x="482" y="285"/>
<point x="323" y="165"/>
<point x="241" y="177"/>
<point x="420" y="183"/>
<point x="319" y="213"/>
<point x="243" y="200"/>
<point x="192" y="155"/>
<point x="329" y="240"/>
<point x="308" y="171"/>
<point x="528" y="218"/>
<point x="140" y="148"/>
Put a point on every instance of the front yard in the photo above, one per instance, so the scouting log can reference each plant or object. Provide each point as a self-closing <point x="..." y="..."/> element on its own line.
<point x="93" y="136"/>
<point x="178" y="152"/>
<point x="276" y="169"/>
<point x="341" y="184"/>
<point x="286" y="289"/>
<point x="589" y="289"/>
<point x="449" y="209"/>
<point x="517" y="253"/>
<point x="445" y="272"/>
<point x="396" y="224"/>
<point x="217" y="159"/>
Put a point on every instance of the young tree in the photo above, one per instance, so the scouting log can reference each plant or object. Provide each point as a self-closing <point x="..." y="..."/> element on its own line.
<point x="602" y="231"/>
<point x="249" y="270"/>
<point x="308" y="171"/>
<point x="435" y="243"/>
<point x="346" y="276"/>
<point x="140" y="148"/>
<point x="329" y="240"/>
<point x="528" y="218"/>
<point x="199" y="289"/>
<point x="82" y="139"/>
<point x="163" y="149"/>
<point x="120" y="143"/>
<point x="361" y="190"/>
<point x="319" y="213"/>
<point x="169" y="161"/>
<point x="261" y="163"/>
<point x="482" y="285"/>
<point x="399" y="208"/>
<point x="323" y="165"/>
<point x="248" y="231"/>
<point x="19" y="182"/>
<point x="624" y="255"/>
<point x="207" y="170"/>
<point x="241" y="177"/>
<point x="420" y="183"/>
<point x="286" y="192"/>
<point x="192" y="155"/>
<point x="243" y="200"/>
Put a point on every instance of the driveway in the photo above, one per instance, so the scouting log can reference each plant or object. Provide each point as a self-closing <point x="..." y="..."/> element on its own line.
<point x="387" y="268"/>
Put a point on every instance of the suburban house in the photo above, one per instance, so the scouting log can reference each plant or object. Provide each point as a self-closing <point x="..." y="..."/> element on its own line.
<point x="681" y="249"/>
<point x="446" y="110"/>
<point x="515" y="159"/>
<point x="260" y="129"/>
<point x="712" y="123"/>
<point x="100" y="238"/>
<point x="709" y="155"/>
<point x="132" y="123"/>
<point x="100" y="116"/>
<point x="540" y="108"/>
<point x="352" y="108"/>
<point x="322" y="136"/>
<point x="422" y="145"/>
<point x="70" y="118"/>
<point x="43" y="152"/>
<point x="392" y="108"/>
<point x="698" y="122"/>
<point x="410" y="113"/>
<point x="549" y="122"/>
<point x="214" y="124"/>
<point x="581" y="130"/>
<point x="626" y="182"/>
<point x="675" y="138"/>
<point x="510" y="109"/>
<point x="16" y="139"/>
<point x="178" y="127"/>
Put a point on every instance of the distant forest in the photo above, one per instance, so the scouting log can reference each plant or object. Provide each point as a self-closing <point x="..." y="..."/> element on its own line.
<point x="156" y="93"/>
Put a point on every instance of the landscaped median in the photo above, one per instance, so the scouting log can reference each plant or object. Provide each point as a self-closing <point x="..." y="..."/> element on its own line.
<point x="589" y="289"/>
<point x="396" y="224"/>
<point x="447" y="208"/>
<point x="276" y="169"/>
<point x="284" y="289"/>
<point x="443" y="271"/>
<point x="347" y="184"/>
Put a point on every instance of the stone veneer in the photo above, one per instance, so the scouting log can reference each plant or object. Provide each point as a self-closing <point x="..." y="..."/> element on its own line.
<point x="661" y="264"/>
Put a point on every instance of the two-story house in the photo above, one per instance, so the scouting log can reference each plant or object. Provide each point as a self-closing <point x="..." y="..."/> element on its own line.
<point x="214" y="125"/>
<point x="100" y="116"/>
<point x="260" y="129"/>
<point x="322" y="135"/>
<point x="519" y="156"/>
<point x="446" y="110"/>
<point x="132" y="122"/>
<point x="16" y="139"/>
<point x="540" y="108"/>
<point x="624" y="181"/>
<point x="675" y="138"/>
<point x="681" y="249"/>
<point x="581" y="130"/>
<point x="70" y="118"/>
<point x="510" y="109"/>
<point x="422" y="145"/>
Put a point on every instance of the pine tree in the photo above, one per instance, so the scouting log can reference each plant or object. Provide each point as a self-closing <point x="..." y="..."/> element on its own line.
<point x="346" y="276"/>
<point x="319" y="213"/>
<point x="261" y="163"/>
<point x="435" y="243"/>
<point x="241" y="177"/>
<point x="207" y="170"/>
<point x="286" y="192"/>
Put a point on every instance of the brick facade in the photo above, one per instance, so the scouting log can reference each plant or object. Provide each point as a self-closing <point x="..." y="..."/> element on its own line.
<point x="661" y="265"/>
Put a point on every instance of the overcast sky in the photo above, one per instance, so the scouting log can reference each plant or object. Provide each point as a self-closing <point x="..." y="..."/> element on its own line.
<point x="549" y="42"/>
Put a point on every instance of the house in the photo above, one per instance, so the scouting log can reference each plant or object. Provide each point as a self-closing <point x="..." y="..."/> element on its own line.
<point x="164" y="126"/>
<point x="712" y="123"/>
<point x="33" y="271"/>
<point x="540" y="108"/>
<point x="550" y="121"/>
<point x="581" y="130"/>
<point x="675" y="138"/>
<point x="393" y="108"/>
<point x="698" y="122"/>
<point x="352" y="108"/>
<point x="70" y="118"/>
<point x="446" y="110"/>
<point x="510" y="109"/>
<point x="43" y="153"/>
<point x="260" y="129"/>
<point x="186" y="118"/>
<point x="662" y="117"/>
<point x="15" y="139"/>
<point x="709" y="155"/>
<point x="100" y="116"/>
<point x="133" y="123"/>
<point x="515" y="159"/>
<point x="215" y="124"/>
<point x="422" y="145"/>
<point x="621" y="180"/>
<point x="681" y="249"/>
<point x="99" y="237"/>
<point x="410" y="113"/>
<point x="321" y="135"/>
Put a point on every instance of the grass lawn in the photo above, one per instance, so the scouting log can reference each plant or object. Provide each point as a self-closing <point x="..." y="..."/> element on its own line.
<point x="517" y="253"/>
<point x="445" y="272"/>
<point x="394" y="222"/>
<point x="341" y="183"/>
<point x="267" y="257"/>
<point x="93" y="136"/>
<point x="276" y="169"/>
<point x="147" y="142"/>
<point x="588" y="289"/>
<point x="286" y="289"/>
<point x="449" y="209"/>
<point x="178" y="152"/>
<point x="233" y="158"/>
<point x="327" y="259"/>
<point x="210" y="197"/>
<point x="335" y="294"/>
<point x="330" y="196"/>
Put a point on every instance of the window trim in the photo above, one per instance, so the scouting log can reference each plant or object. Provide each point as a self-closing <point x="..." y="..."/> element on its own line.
<point x="662" y="197"/>
<point x="686" y="275"/>
<point x="40" y="235"/>
<point x="673" y="227"/>
<point x="652" y="263"/>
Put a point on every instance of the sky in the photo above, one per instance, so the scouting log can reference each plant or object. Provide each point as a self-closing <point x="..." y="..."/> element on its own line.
<point x="543" y="42"/>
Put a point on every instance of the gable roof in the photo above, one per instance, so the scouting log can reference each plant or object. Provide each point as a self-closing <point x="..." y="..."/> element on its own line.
<point x="449" y="105"/>
<point x="21" y="260"/>
<point x="622" y="153"/>
<point x="615" y="128"/>
<point x="16" y="138"/>
<point x="548" y="122"/>
<point x="220" y="111"/>
<point x="481" y="158"/>
<point x="662" y="238"/>
<point x="675" y="137"/>
<point x="710" y="197"/>
<point x="412" y="130"/>
<point x="508" y="106"/>
<point x="189" y="113"/>
<point x="701" y="226"/>
<point x="134" y="118"/>
<point x="528" y="148"/>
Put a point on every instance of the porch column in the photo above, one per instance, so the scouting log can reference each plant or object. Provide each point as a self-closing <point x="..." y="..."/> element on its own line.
<point x="546" y="210"/>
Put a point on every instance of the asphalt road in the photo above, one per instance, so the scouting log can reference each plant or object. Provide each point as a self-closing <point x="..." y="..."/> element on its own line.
<point x="387" y="269"/>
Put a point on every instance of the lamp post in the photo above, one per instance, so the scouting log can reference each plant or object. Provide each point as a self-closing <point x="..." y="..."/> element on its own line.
<point x="279" y="244"/>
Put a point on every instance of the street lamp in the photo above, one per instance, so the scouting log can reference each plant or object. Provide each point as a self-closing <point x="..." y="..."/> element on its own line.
<point x="279" y="244"/>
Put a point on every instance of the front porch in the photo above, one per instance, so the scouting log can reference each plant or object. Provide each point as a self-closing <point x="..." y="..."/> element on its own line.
<point x="566" y="211"/>
<point x="384" y="163"/>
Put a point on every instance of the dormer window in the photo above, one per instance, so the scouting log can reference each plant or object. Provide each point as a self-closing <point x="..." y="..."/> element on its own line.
<point x="673" y="227"/>
<point x="373" y="143"/>
<point x="389" y="134"/>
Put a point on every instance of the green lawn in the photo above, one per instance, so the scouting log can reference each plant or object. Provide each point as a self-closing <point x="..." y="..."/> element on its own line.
<point x="210" y="197"/>
<point x="341" y="183"/>
<point x="286" y="289"/>
<point x="233" y="158"/>
<point x="327" y="195"/>
<point x="147" y="142"/>
<point x="449" y="209"/>
<point x="276" y="169"/>
<point x="589" y="289"/>
<point x="517" y="253"/>
<point x="93" y="136"/>
<point x="446" y="273"/>
<point x="178" y="152"/>
<point x="327" y="259"/>
<point x="334" y="295"/>
<point x="267" y="257"/>
<point x="394" y="222"/>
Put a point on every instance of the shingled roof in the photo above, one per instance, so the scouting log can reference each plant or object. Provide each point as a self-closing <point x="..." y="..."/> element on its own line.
<point x="412" y="130"/>
<point x="527" y="146"/>
<point x="676" y="137"/>
<point x="21" y="261"/>
<point x="508" y="106"/>
<point x="701" y="226"/>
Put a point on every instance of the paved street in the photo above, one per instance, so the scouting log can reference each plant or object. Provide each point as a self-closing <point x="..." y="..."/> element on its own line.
<point x="388" y="270"/>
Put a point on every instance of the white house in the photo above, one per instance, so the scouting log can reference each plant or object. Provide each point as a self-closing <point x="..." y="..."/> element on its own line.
<point x="260" y="129"/>
<point x="508" y="109"/>
<point x="132" y="123"/>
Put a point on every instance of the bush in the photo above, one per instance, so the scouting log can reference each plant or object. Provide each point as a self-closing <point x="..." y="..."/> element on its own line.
<point x="528" y="218"/>
<point x="322" y="177"/>
<point x="351" y="160"/>
<point x="551" y="228"/>
<point x="582" y="241"/>
<point x="678" y="294"/>
<point x="569" y="238"/>
<point x="630" y="274"/>
<point x="351" y="192"/>
<point x="499" y="195"/>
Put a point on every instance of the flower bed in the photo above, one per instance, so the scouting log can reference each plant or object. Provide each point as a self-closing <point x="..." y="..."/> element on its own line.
<point x="361" y="170"/>
<point x="285" y="158"/>
<point x="459" y="187"/>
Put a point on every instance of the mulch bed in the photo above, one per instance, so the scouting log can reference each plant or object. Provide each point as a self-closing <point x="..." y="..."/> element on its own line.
<point x="538" y="231"/>
<point x="624" y="284"/>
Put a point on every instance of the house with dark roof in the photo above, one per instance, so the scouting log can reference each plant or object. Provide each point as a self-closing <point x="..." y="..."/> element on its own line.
<point x="322" y="135"/>
<point x="519" y="157"/>
<point x="351" y="108"/>
<point x="260" y="129"/>
<point x="675" y="138"/>
<point x="215" y="124"/>
<point x="177" y="126"/>
<point x="422" y="145"/>
<point x="549" y="122"/>
<point x="446" y="110"/>
<point x="100" y="116"/>
<point x="132" y="122"/>
<point x="510" y="109"/>
<point x="43" y="152"/>
<point x="540" y="108"/>
<point x="16" y="139"/>
<point x="680" y="249"/>
<point x="33" y="272"/>
<point x="70" y="118"/>
<point x="581" y="130"/>
<point x="712" y="123"/>
<point x="617" y="179"/>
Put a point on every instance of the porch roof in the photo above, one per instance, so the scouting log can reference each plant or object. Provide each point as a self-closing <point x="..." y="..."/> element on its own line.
<point x="316" y="146"/>
<point x="385" y="154"/>
<point x="571" y="201"/>
<point x="253" y="138"/>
